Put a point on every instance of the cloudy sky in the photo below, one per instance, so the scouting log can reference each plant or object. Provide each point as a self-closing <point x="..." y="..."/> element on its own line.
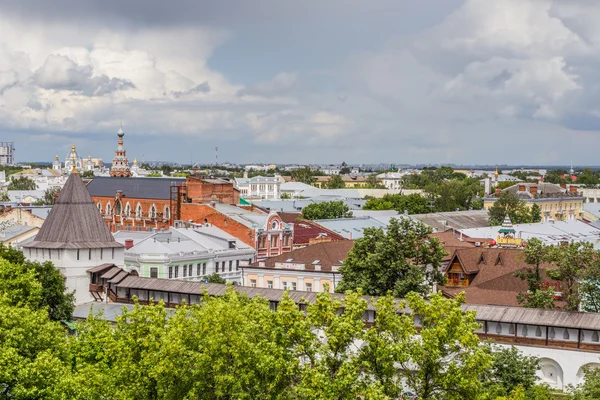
<point x="394" y="81"/>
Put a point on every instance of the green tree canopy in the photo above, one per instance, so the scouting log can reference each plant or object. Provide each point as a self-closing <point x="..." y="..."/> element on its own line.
<point x="304" y="175"/>
<point x="22" y="183"/>
<point x="326" y="210"/>
<point x="335" y="182"/>
<point x="401" y="259"/>
<point x="509" y="203"/>
<point x="412" y="203"/>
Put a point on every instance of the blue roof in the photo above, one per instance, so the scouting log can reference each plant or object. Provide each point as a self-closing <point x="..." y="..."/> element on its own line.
<point x="138" y="188"/>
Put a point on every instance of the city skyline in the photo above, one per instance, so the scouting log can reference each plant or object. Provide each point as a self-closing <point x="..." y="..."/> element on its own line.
<point x="428" y="82"/>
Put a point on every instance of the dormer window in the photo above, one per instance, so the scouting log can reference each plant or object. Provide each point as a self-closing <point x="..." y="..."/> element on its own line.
<point x="481" y="259"/>
<point x="499" y="260"/>
<point x="274" y="225"/>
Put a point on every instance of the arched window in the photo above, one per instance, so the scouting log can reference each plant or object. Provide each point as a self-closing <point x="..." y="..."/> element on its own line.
<point x="138" y="211"/>
<point x="524" y="331"/>
<point x="108" y="208"/>
<point x="551" y="333"/>
<point x="511" y="329"/>
<point x="566" y="334"/>
<point x="100" y="207"/>
<point x="152" y="212"/>
<point x="127" y="210"/>
<point x="498" y="328"/>
<point x="538" y="331"/>
<point x="595" y="337"/>
<point x="118" y="207"/>
<point x="167" y="213"/>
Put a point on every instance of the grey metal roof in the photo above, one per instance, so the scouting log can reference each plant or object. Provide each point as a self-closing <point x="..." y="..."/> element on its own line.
<point x="139" y="188"/>
<point x="533" y="316"/>
<point x="74" y="222"/>
<point x="101" y="267"/>
<point x="14" y="231"/>
<point x="350" y="228"/>
<point x="442" y="221"/>
<point x="110" y="311"/>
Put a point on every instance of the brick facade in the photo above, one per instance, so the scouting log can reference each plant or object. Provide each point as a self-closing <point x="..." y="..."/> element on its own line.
<point x="206" y="190"/>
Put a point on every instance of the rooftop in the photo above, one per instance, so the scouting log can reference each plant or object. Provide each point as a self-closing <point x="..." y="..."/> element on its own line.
<point x="327" y="255"/>
<point x="441" y="221"/>
<point x="138" y="188"/>
<point x="351" y="228"/>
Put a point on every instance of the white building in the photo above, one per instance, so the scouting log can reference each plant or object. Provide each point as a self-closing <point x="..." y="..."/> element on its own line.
<point x="260" y="187"/>
<point x="75" y="238"/>
<point x="391" y="180"/>
<point x="185" y="253"/>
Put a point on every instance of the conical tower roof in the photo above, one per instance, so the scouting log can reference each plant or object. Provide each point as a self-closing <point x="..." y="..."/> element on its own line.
<point x="74" y="222"/>
<point x="507" y="226"/>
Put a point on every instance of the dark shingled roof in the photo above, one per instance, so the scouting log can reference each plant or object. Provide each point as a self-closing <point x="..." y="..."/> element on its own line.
<point x="74" y="222"/>
<point x="138" y="188"/>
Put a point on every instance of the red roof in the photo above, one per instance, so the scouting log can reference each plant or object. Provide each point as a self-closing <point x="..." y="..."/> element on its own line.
<point x="306" y="231"/>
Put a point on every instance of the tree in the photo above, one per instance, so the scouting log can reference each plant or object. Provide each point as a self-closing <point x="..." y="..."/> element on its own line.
<point x="590" y="388"/>
<point x="446" y="359"/>
<point x="373" y="182"/>
<point x="335" y="182"/>
<point x="536" y="253"/>
<point x="402" y="259"/>
<point x="556" y="176"/>
<point x="50" y="196"/>
<point x="285" y="196"/>
<point x="22" y="183"/>
<point x="536" y="213"/>
<point x="512" y="370"/>
<point x="38" y="285"/>
<point x="4" y="197"/>
<point x="412" y="203"/>
<point x="214" y="278"/>
<point x="87" y="174"/>
<point x="509" y="203"/>
<point x="304" y="175"/>
<point x="575" y="262"/>
<point x="326" y="210"/>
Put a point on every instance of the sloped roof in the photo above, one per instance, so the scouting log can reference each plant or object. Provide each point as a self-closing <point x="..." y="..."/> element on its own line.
<point x="138" y="188"/>
<point x="74" y="222"/>
<point x="325" y="254"/>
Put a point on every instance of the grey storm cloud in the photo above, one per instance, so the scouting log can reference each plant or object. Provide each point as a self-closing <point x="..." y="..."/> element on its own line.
<point x="61" y="73"/>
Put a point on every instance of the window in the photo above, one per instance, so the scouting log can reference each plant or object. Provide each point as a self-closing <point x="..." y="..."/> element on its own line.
<point x="274" y="225"/>
<point x="293" y="285"/>
<point x="498" y="328"/>
<point x="153" y="272"/>
<point x="190" y="270"/>
<point x="170" y="272"/>
<point x="538" y="331"/>
<point x="230" y="265"/>
<point x="198" y="269"/>
<point x="100" y="207"/>
<point x="308" y="287"/>
<point x="566" y="335"/>
<point x="113" y="253"/>
<point x="101" y="253"/>
<point x="57" y="253"/>
<point x="595" y="337"/>
<point x="176" y="271"/>
<point x="77" y="254"/>
<point x="108" y="209"/>
<point x="274" y="241"/>
<point x="128" y="210"/>
<point x="270" y="286"/>
<point x="237" y="265"/>
<point x="167" y="213"/>
<point x="203" y="268"/>
<point x="252" y="282"/>
<point x="511" y="329"/>
<point x="524" y="331"/>
<point x="184" y="270"/>
<point x="139" y="211"/>
<point x="118" y="207"/>
<point x="90" y="254"/>
<point x="152" y="212"/>
<point x="551" y="333"/>
<point x="222" y="266"/>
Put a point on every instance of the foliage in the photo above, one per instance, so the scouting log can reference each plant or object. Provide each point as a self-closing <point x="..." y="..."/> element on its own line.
<point x="87" y="174"/>
<point x="4" y="197"/>
<point x="214" y="278"/>
<point x="455" y="194"/>
<point x="590" y="388"/>
<point x="536" y="253"/>
<point x="503" y="185"/>
<point x="154" y="174"/>
<point x="22" y="183"/>
<point x="181" y="174"/>
<point x="412" y="203"/>
<point x="50" y="196"/>
<point x="555" y="176"/>
<point x="535" y="213"/>
<point x="575" y="262"/>
<point x="304" y="175"/>
<point x="430" y="176"/>
<point x="446" y="358"/>
<point x="10" y="169"/>
<point x="326" y="210"/>
<point x="335" y="182"/>
<point x="509" y="203"/>
<point x="512" y="372"/>
<point x="285" y="196"/>
<point x="401" y="259"/>
<point x="41" y="286"/>
<point x="373" y="183"/>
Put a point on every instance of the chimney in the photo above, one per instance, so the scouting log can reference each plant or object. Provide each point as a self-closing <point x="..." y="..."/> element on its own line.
<point x="213" y="204"/>
<point x="521" y="188"/>
<point x="533" y="190"/>
<point x="128" y="244"/>
<point x="563" y="185"/>
<point x="572" y="188"/>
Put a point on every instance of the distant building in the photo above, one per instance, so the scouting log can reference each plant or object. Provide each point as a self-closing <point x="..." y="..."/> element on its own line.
<point x="120" y="164"/>
<point x="311" y="269"/>
<point x="75" y="238"/>
<point x="73" y="159"/>
<point x="259" y="187"/>
<point x="559" y="203"/>
<point x="391" y="180"/>
<point x="189" y="253"/>
<point x="7" y="153"/>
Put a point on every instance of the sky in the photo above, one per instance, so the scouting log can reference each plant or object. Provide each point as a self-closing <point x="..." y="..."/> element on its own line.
<point x="272" y="81"/>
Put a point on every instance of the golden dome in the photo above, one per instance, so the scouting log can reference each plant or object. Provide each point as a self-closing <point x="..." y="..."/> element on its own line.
<point x="135" y="161"/>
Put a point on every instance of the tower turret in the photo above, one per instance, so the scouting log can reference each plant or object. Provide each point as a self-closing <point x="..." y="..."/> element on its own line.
<point x="120" y="164"/>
